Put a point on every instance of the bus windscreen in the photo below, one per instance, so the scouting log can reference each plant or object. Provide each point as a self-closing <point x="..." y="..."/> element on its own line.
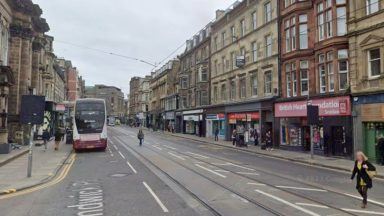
<point x="90" y="117"/>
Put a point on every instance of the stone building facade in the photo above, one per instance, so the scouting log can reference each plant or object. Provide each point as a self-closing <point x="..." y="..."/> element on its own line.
<point x="139" y="100"/>
<point x="113" y="96"/>
<point x="314" y="70"/>
<point x="194" y="82"/>
<point x="244" y="68"/>
<point x="162" y="85"/>
<point x="366" y="45"/>
<point x="134" y="86"/>
<point x="26" y="36"/>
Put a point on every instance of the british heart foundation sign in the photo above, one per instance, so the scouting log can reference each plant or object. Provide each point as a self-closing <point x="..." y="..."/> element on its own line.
<point x="337" y="106"/>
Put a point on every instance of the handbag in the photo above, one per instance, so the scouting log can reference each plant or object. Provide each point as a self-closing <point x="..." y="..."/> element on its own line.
<point x="372" y="174"/>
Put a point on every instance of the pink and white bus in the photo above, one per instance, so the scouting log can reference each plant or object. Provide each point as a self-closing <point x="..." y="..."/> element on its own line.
<point x="90" y="124"/>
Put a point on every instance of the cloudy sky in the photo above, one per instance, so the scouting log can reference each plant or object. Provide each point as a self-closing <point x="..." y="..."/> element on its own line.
<point x="149" y="30"/>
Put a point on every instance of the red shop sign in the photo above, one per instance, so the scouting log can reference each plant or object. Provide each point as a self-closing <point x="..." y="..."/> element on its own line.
<point x="337" y="106"/>
<point x="244" y="116"/>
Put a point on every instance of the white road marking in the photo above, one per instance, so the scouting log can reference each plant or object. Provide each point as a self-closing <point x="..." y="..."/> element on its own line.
<point x="156" y="197"/>
<point x="235" y="165"/>
<point x="247" y="173"/>
<point x="223" y="171"/>
<point x="169" y="147"/>
<point x="369" y="200"/>
<point x="176" y="156"/>
<point x="114" y="146"/>
<point x="313" y="205"/>
<point x="364" y="212"/>
<point x="288" y="203"/>
<point x="301" y="188"/>
<point x="198" y="155"/>
<point x="111" y="142"/>
<point x="157" y="147"/>
<point x="130" y="166"/>
<point x="240" y="198"/>
<point x="254" y="183"/>
<point x="121" y="155"/>
<point x="211" y="171"/>
<point x="112" y="155"/>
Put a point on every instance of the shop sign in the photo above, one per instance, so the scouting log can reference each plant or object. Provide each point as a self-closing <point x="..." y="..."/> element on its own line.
<point x="170" y="115"/>
<point x="220" y="116"/>
<point x="191" y="118"/>
<point x="193" y="112"/>
<point x="337" y="106"/>
<point x="60" y="107"/>
<point x="244" y="116"/>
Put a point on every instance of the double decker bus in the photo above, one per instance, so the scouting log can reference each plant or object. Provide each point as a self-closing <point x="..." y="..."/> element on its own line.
<point x="90" y="124"/>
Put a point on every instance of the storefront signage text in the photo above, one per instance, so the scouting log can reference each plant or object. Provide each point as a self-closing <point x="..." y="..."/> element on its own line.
<point x="338" y="106"/>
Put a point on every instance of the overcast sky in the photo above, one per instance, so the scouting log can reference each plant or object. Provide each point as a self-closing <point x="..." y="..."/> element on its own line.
<point x="148" y="30"/>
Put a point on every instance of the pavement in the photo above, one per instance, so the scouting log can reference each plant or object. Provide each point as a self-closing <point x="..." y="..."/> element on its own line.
<point x="6" y="158"/>
<point x="45" y="165"/>
<point x="300" y="157"/>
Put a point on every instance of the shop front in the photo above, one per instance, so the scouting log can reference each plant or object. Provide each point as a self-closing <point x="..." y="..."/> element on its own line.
<point x="332" y="136"/>
<point x="170" y="121"/>
<point x="193" y="122"/>
<point x="369" y="124"/>
<point x="214" y="122"/>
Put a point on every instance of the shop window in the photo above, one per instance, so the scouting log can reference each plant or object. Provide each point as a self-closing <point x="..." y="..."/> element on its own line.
<point x="372" y="6"/>
<point x="268" y="82"/>
<point x="374" y="63"/>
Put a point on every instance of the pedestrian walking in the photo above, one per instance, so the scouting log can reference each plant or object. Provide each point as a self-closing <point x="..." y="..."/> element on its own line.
<point x="217" y="134"/>
<point x="268" y="141"/>
<point x="380" y="148"/>
<point x="234" y="136"/>
<point x="45" y="138"/>
<point x="59" y="133"/>
<point x="365" y="172"/>
<point x="256" y="137"/>
<point x="140" y="136"/>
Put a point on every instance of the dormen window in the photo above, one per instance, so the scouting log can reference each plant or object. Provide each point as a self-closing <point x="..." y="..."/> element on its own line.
<point x="374" y="63"/>
<point x="372" y="6"/>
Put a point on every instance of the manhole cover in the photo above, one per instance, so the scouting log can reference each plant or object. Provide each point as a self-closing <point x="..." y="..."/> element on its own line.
<point x="119" y="175"/>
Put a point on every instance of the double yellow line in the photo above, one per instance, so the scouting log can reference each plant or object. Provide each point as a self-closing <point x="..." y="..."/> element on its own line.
<point x="63" y="173"/>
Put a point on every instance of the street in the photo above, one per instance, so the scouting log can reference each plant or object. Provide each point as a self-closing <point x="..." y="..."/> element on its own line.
<point x="174" y="176"/>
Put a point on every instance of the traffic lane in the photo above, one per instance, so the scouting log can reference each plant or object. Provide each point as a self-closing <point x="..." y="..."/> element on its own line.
<point x="292" y="191"/>
<point x="300" y="172"/>
<point x="97" y="184"/>
<point x="217" y="197"/>
<point x="166" y="200"/>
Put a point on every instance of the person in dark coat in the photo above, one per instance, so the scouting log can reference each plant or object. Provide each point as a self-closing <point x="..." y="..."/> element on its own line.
<point x="140" y="136"/>
<point x="380" y="148"/>
<point x="59" y="133"/>
<point x="217" y="134"/>
<point x="234" y="137"/>
<point x="363" y="181"/>
<point x="256" y="137"/>
<point x="45" y="138"/>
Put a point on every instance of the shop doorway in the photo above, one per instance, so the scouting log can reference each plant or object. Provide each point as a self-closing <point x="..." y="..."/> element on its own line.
<point x="338" y="147"/>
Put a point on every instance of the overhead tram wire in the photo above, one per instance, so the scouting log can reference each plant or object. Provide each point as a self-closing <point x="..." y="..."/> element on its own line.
<point x="108" y="53"/>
